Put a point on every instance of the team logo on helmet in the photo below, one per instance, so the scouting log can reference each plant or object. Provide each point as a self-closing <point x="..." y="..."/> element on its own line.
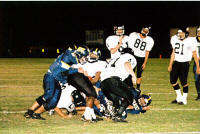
<point x="78" y="98"/>
<point x="81" y="51"/>
<point x="147" y="99"/>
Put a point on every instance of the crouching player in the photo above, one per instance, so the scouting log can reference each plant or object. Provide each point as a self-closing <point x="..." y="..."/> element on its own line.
<point x="70" y="98"/>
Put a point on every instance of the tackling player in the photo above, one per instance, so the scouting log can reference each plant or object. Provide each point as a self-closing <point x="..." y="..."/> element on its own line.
<point x="112" y="83"/>
<point x="59" y="73"/>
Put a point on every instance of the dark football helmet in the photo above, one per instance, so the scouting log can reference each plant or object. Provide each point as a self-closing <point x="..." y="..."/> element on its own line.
<point x="78" y="98"/>
<point x="147" y="99"/>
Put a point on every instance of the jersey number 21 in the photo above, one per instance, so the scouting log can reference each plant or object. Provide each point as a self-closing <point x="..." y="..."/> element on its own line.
<point x="179" y="48"/>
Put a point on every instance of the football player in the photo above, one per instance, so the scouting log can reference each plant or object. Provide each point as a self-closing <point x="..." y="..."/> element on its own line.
<point x="184" y="48"/>
<point x="112" y="83"/>
<point x="140" y="103"/>
<point x="197" y="76"/>
<point x="116" y="43"/>
<point x="93" y="67"/>
<point x="141" y="44"/>
<point x="70" y="98"/>
<point x="59" y="73"/>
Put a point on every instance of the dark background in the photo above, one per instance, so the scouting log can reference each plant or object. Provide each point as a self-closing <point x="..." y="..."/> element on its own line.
<point x="52" y="25"/>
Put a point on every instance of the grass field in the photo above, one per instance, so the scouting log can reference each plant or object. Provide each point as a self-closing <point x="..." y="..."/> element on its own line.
<point x="21" y="83"/>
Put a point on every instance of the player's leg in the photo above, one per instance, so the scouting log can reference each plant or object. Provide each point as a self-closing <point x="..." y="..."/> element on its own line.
<point x="173" y="80"/>
<point x="183" y="79"/>
<point x="51" y="102"/>
<point x="39" y="101"/>
<point x="197" y="82"/>
<point x="115" y="87"/>
<point x="140" y="62"/>
<point x="83" y="84"/>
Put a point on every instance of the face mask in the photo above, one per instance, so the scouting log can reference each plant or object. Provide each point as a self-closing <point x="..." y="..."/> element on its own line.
<point x="143" y="34"/>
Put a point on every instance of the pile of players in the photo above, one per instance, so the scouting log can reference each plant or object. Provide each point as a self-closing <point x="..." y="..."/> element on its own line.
<point x="79" y="81"/>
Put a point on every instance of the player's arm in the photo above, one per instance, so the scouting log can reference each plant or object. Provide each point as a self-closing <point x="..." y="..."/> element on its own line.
<point x="171" y="61"/>
<point x="194" y="54"/>
<point x="129" y="69"/>
<point x="145" y="60"/>
<point x="146" y="108"/>
<point x="96" y="78"/>
<point x="113" y="50"/>
<point x="60" y="113"/>
<point x="70" y="69"/>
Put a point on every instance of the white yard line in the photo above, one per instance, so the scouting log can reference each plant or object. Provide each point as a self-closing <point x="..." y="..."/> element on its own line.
<point x="168" y="93"/>
<point x="168" y="133"/>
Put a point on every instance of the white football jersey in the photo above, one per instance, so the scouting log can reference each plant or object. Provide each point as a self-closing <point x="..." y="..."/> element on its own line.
<point x="92" y="68"/>
<point x="183" y="48"/>
<point x="140" y="45"/>
<point x="116" y="67"/>
<point x="65" y="100"/>
<point x="197" y="47"/>
<point x="112" y="41"/>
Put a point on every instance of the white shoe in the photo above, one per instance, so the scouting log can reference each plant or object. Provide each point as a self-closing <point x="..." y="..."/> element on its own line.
<point x="51" y="112"/>
<point x="178" y="100"/>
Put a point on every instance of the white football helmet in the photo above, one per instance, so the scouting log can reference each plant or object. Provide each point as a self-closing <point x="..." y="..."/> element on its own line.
<point x="119" y="30"/>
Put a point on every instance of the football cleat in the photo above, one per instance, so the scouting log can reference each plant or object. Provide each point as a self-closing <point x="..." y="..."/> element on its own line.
<point x="28" y="115"/>
<point x="37" y="116"/>
<point x="181" y="103"/>
<point x="119" y="119"/>
<point x="92" y="120"/>
<point x="99" y="119"/>
<point x="198" y="98"/>
<point x="174" y="102"/>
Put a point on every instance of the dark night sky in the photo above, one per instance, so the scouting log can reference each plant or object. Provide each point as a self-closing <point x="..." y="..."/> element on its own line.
<point x="51" y="23"/>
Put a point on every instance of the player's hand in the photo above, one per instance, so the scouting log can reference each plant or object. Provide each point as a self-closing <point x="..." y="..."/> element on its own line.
<point x="143" y="66"/>
<point x="80" y="70"/>
<point x="134" y="80"/>
<point x="198" y="70"/>
<point x="120" y="39"/>
<point x="169" y="68"/>
<point x="85" y="73"/>
<point x="68" y="116"/>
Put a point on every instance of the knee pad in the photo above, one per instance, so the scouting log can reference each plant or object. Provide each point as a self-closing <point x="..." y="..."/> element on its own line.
<point x="46" y="107"/>
<point x="185" y="89"/>
<point x="50" y="104"/>
<point x="40" y="100"/>
<point x="176" y="87"/>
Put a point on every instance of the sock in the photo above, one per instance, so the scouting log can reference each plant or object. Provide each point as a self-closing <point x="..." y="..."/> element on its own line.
<point x="92" y="113"/>
<point x="87" y="113"/>
<point x="178" y="93"/>
<point x="184" y="99"/>
<point x="185" y="95"/>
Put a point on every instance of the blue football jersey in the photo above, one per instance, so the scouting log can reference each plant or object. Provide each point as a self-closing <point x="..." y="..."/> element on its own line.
<point x="63" y="65"/>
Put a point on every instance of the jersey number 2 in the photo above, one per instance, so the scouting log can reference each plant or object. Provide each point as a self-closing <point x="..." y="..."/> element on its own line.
<point x="179" y="48"/>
